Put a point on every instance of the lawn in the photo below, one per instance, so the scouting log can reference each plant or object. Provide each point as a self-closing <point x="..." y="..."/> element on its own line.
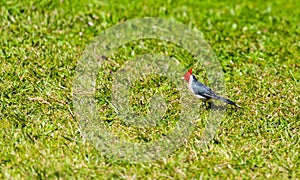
<point x="256" y="43"/>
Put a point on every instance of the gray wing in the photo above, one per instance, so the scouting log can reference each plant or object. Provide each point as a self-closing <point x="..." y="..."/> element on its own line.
<point x="201" y="89"/>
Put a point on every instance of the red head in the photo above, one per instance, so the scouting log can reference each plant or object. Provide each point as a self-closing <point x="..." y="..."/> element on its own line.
<point x="187" y="75"/>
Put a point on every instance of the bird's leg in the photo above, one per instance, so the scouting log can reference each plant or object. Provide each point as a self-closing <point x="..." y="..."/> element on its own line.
<point x="210" y="104"/>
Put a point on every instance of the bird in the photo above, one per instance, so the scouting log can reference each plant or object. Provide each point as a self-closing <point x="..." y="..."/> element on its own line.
<point x="201" y="91"/>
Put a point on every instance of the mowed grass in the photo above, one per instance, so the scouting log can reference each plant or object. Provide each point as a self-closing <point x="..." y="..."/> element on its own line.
<point x="257" y="43"/>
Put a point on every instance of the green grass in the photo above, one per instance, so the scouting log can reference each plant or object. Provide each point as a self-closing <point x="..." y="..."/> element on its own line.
<point x="257" y="43"/>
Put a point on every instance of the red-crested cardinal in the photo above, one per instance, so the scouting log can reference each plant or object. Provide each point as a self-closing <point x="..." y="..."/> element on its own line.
<point x="201" y="91"/>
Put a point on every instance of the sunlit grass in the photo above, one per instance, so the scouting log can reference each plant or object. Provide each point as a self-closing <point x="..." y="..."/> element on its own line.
<point x="257" y="45"/>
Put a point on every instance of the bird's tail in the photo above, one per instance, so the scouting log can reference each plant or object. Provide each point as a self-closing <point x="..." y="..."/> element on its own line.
<point x="227" y="101"/>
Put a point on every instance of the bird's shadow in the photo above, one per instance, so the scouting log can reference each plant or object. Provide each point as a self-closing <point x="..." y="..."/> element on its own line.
<point x="211" y="106"/>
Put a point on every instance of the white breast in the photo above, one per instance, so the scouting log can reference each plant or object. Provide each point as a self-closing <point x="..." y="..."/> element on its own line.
<point x="191" y="89"/>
